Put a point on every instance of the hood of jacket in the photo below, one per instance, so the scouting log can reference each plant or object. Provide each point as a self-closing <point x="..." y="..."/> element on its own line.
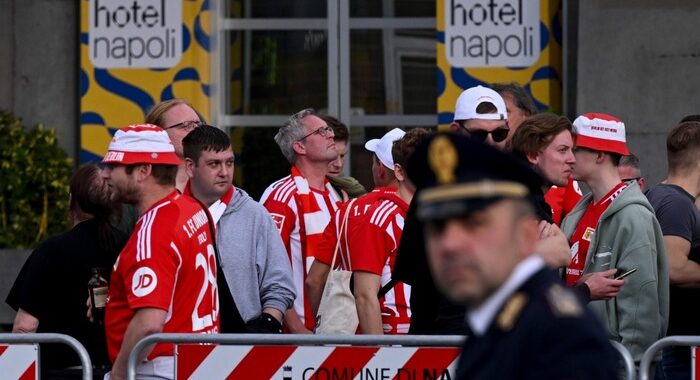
<point x="632" y="194"/>
<point x="239" y="199"/>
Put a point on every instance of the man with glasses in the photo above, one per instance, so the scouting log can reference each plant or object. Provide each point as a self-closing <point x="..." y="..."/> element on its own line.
<point x="481" y="113"/>
<point x="178" y="118"/>
<point x="303" y="203"/>
<point x="629" y="170"/>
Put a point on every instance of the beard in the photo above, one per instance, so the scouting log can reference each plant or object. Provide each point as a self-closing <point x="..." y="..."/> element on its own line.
<point x="127" y="193"/>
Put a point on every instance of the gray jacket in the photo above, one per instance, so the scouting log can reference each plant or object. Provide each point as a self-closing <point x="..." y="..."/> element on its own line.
<point x="628" y="236"/>
<point x="253" y="258"/>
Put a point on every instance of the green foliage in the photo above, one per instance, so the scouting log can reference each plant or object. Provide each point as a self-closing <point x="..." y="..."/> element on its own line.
<point x="34" y="177"/>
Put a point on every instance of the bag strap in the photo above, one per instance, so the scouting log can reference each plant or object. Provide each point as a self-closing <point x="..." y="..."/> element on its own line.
<point x="385" y="289"/>
<point x="342" y="230"/>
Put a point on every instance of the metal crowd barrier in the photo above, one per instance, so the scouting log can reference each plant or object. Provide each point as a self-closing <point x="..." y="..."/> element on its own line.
<point x="626" y="358"/>
<point x="296" y="340"/>
<point x="676" y="340"/>
<point x="318" y="340"/>
<point x="53" y="338"/>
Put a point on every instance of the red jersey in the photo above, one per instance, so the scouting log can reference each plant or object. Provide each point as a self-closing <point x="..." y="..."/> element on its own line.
<point x="330" y="235"/>
<point x="168" y="263"/>
<point x="581" y="238"/>
<point x="563" y="199"/>
<point x="284" y="201"/>
<point x="373" y="246"/>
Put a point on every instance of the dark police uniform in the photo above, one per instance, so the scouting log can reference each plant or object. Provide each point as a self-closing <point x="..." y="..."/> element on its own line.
<point x="542" y="330"/>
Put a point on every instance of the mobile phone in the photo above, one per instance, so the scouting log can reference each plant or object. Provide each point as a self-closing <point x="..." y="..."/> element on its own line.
<point x="625" y="274"/>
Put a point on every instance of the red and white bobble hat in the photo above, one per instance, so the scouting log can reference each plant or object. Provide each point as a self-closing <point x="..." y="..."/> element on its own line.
<point x="141" y="144"/>
<point x="602" y="132"/>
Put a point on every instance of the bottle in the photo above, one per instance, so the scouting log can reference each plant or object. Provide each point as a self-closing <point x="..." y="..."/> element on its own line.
<point x="97" y="287"/>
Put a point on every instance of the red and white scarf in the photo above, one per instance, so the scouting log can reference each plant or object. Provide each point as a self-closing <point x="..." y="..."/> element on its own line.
<point x="311" y="216"/>
<point x="216" y="209"/>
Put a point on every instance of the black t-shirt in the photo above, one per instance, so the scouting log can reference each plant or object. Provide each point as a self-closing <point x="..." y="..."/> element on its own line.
<point x="675" y="209"/>
<point x="52" y="287"/>
<point x="431" y="312"/>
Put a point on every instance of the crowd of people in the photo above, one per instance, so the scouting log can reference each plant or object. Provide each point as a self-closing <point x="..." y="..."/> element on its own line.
<point x="483" y="230"/>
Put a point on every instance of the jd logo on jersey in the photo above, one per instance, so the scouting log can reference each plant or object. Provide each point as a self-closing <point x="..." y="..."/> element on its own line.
<point x="143" y="281"/>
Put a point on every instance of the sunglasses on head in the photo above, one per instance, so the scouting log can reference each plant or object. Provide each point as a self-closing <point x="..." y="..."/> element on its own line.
<point x="498" y="134"/>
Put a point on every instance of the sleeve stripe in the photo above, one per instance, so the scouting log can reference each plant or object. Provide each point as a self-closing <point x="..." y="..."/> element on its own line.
<point x="387" y="214"/>
<point x="382" y="213"/>
<point x="143" y="246"/>
<point x="376" y="213"/>
<point x="269" y="191"/>
<point x="284" y="191"/>
<point x="177" y="272"/>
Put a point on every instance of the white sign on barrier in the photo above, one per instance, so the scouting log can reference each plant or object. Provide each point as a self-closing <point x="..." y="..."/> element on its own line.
<point x="202" y="361"/>
<point x="19" y="361"/>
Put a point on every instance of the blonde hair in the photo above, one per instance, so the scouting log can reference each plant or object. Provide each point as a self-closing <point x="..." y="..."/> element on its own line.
<point x="156" y="114"/>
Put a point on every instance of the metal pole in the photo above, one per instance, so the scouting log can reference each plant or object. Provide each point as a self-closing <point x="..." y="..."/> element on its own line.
<point x="650" y="353"/>
<point x="626" y="358"/>
<point x="54" y="338"/>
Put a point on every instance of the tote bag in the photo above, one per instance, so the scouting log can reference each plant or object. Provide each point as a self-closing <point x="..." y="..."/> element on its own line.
<point x="337" y="313"/>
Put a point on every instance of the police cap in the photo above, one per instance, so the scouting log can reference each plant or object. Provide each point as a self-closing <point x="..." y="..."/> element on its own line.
<point x="456" y="175"/>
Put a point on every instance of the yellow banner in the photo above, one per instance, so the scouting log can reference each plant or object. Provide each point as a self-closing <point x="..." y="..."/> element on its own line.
<point x="135" y="54"/>
<point x="481" y="34"/>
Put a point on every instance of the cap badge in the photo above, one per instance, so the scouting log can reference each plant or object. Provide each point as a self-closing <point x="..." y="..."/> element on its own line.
<point x="154" y="155"/>
<point x="443" y="159"/>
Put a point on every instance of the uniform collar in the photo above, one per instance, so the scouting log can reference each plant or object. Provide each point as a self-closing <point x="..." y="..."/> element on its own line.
<point x="481" y="318"/>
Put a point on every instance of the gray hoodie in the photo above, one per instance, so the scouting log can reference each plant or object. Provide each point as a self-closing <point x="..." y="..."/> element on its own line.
<point x="628" y="236"/>
<point x="253" y="258"/>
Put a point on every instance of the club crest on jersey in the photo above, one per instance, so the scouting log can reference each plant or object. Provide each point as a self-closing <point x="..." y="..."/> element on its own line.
<point x="279" y="220"/>
<point x="143" y="282"/>
<point x="574" y="252"/>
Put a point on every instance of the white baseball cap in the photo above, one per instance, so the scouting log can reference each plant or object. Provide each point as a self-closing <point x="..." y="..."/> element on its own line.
<point x="469" y="99"/>
<point x="382" y="147"/>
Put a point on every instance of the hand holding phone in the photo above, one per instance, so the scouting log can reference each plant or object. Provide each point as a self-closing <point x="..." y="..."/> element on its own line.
<point x="625" y="274"/>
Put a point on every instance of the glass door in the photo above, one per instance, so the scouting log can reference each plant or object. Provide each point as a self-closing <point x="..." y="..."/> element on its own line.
<point x="369" y="63"/>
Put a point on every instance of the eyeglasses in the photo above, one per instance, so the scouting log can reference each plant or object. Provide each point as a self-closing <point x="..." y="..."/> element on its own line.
<point x="498" y="134"/>
<point x="323" y="131"/>
<point x="631" y="179"/>
<point x="186" y="125"/>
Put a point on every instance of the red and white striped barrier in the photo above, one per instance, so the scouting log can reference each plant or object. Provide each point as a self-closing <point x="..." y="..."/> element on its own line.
<point x="314" y="363"/>
<point x="19" y="361"/>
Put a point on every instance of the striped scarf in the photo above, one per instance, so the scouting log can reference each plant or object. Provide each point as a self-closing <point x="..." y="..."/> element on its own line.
<point x="311" y="217"/>
<point x="217" y="208"/>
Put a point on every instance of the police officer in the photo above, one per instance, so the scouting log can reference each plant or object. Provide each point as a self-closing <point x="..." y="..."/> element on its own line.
<point x="480" y="231"/>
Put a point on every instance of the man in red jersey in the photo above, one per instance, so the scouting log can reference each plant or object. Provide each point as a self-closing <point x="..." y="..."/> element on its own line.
<point x="614" y="229"/>
<point x="385" y="182"/>
<point x="373" y="246"/>
<point x="165" y="278"/>
<point x="302" y="203"/>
